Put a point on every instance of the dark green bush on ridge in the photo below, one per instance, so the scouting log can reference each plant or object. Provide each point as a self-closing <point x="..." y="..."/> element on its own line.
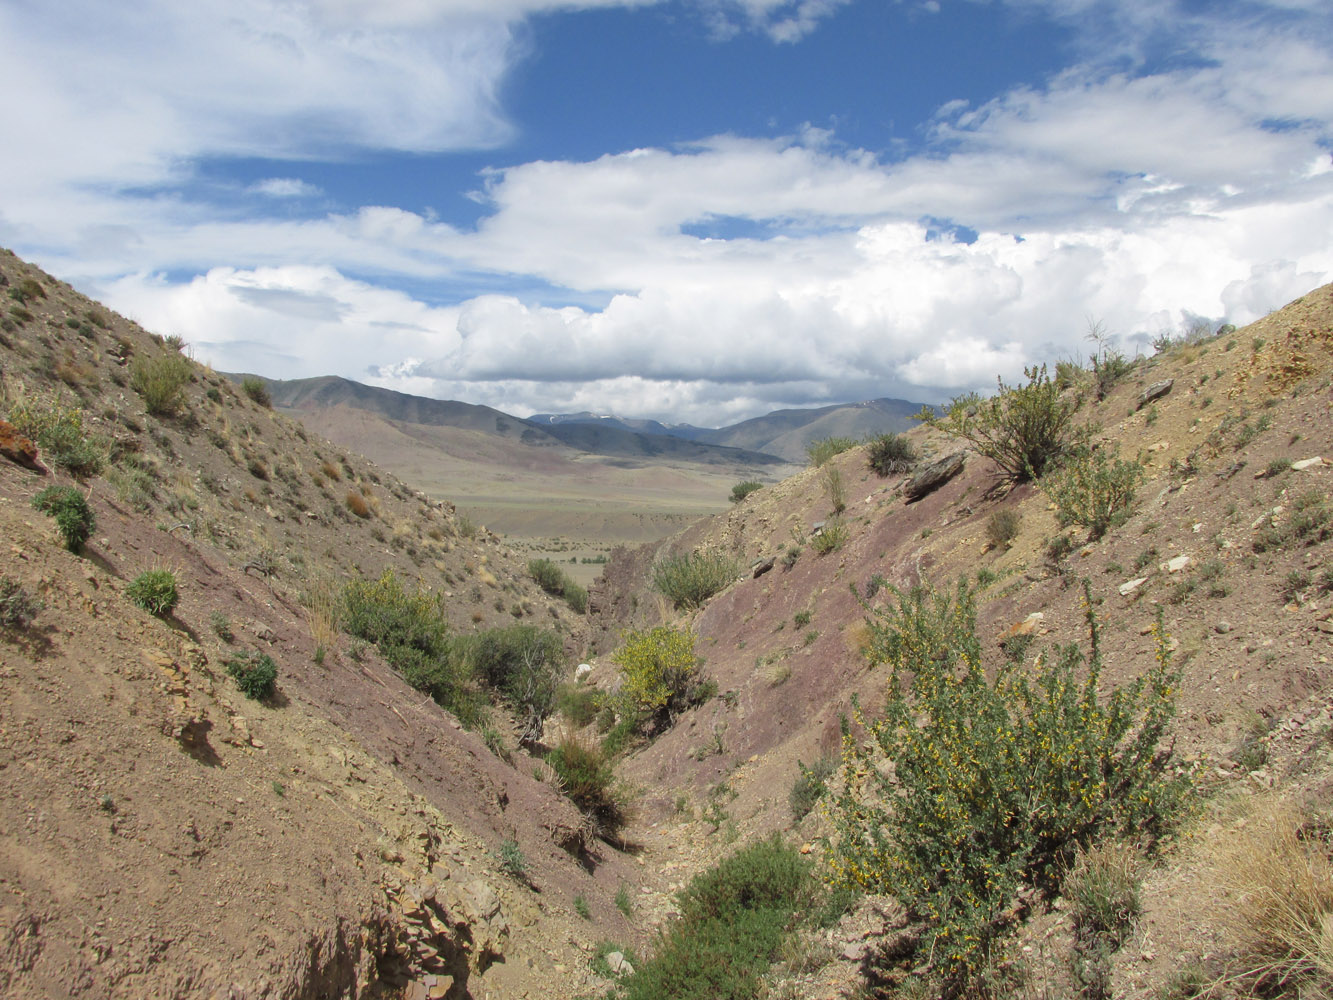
<point x="890" y="453"/>
<point x="742" y="490"/>
<point x="74" y="518"/>
<point x="1021" y="428"/>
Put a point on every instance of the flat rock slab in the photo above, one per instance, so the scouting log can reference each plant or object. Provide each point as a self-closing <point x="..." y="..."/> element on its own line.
<point x="1155" y="391"/>
<point x="934" y="475"/>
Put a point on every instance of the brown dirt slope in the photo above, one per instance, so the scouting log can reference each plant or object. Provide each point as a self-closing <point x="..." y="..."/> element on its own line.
<point x="1252" y="625"/>
<point x="163" y="836"/>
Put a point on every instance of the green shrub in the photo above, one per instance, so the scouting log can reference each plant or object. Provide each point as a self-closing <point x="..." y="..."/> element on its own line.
<point x="555" y="581"/>
<point x="155" y="591"/>
<point x="1108" y="368"/>
<point x="831" y="537"/>
<point x="733" y="920"/>
<point x="512" y="860"/>
<point x="693" y="578"/>
<point x="834" y="489"/>
<point x="221" y="625"/>
<point x="74" y="518"/>
<point x="659" y="667"/>
<point x="27" y="290"/>
<point x="161" y="382"/>
<point x="1002" y="528"/>
<point x="742" y="490"/>
<point x="577" y="703"/>
<point x="588" y="775"/>
<point x="410" y="632"/>
<point x="58" y="430"/>
<point x="995" y="783"/>
<point x="887" y="454"/>
<point x="522" y="663"/>
<point x="18" y="608"/>
<point x="255" y="673"/>
<point x="809" y="786"/>
<point x="581" y="907"/>
<point x="824" y="449"/>
<point x="257" y="389"/>
<point x="1092" y="490"/>
<point x="1021" y="428"/>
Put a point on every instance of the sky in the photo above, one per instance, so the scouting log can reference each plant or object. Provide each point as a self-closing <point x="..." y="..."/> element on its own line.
<point x="691" y="210"/>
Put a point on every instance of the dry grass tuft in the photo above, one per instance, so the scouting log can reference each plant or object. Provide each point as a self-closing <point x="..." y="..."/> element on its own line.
<point x="1277" y="869"/>
<point x="356" y="503"/>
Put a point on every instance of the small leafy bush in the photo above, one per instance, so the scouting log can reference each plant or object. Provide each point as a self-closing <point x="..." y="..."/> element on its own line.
<point x="1003" y="527"/>
<point x="255" y="673"/>
<point x="1020" y="428"/>
<point x="161" y="382"/>
<point x="257" y="389"/>
<point x="74" y="518"/>
<point x="742" y="490"/>
<point x="512" y="860"/>
<point x="221" y="626"/>
<point x="556" y="582"/>
<point x="522" y="663"/>
<point x="996" y="782"/>
<point x="689" y="580"/>
<point x="1092" y="490"/>
<point x="577" y="703"/>
<point x="409" y="629"/>
<point x="588" y="776"/>
<point x="659" y="668"/>
<point x="824" y="449"/>
<point x="887" y="454"/>
<point x="810" y="786"/>
<point x="155" y="591"/>
<point x="831" y="538"/>
<point x="18" y="608"/>
<point x="58" y="430"/>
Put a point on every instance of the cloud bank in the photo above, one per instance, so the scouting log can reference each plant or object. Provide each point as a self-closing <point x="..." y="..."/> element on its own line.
<point x="705" y="282"/>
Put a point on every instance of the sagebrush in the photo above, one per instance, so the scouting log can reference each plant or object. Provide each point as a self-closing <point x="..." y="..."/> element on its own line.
<point x="690" y="579"/>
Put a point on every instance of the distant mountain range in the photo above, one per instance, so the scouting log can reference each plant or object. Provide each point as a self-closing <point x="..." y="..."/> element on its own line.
<point x="783" y="433"/>
<point x="775" y="438"/>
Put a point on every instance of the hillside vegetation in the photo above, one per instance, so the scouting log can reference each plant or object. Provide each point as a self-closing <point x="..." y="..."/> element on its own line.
<point x="1031" y="700"/>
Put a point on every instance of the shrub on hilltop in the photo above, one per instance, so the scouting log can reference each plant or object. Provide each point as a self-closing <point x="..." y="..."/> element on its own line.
<point x="1021" y="428"/>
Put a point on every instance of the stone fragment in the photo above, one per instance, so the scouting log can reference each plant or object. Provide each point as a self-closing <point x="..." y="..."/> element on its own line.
<point x="1130" y="586"/>
<point x="934" y="475"/>
<point x="1222" y="627"/>
<point x="763" y="566"/>
<point x="17" y="448"/>
<point x="1177" y="564"/>
<point x="1155" y="391"/>
<point x="1308" y="463"/>
<point x="619" y="964"/>
<point x="1027" y="627"/>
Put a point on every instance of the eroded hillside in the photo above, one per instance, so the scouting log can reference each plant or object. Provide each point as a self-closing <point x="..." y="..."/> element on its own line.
<point x="1228" y="535"/>
<point x="161" y="834"/>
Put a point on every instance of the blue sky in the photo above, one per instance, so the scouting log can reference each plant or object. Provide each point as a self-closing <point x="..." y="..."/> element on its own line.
<point x="692" y="210"/>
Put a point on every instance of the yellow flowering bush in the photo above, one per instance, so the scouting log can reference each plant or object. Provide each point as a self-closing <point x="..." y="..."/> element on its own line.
<point x="658" y="666"/>
<point x="991" y="785"/>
